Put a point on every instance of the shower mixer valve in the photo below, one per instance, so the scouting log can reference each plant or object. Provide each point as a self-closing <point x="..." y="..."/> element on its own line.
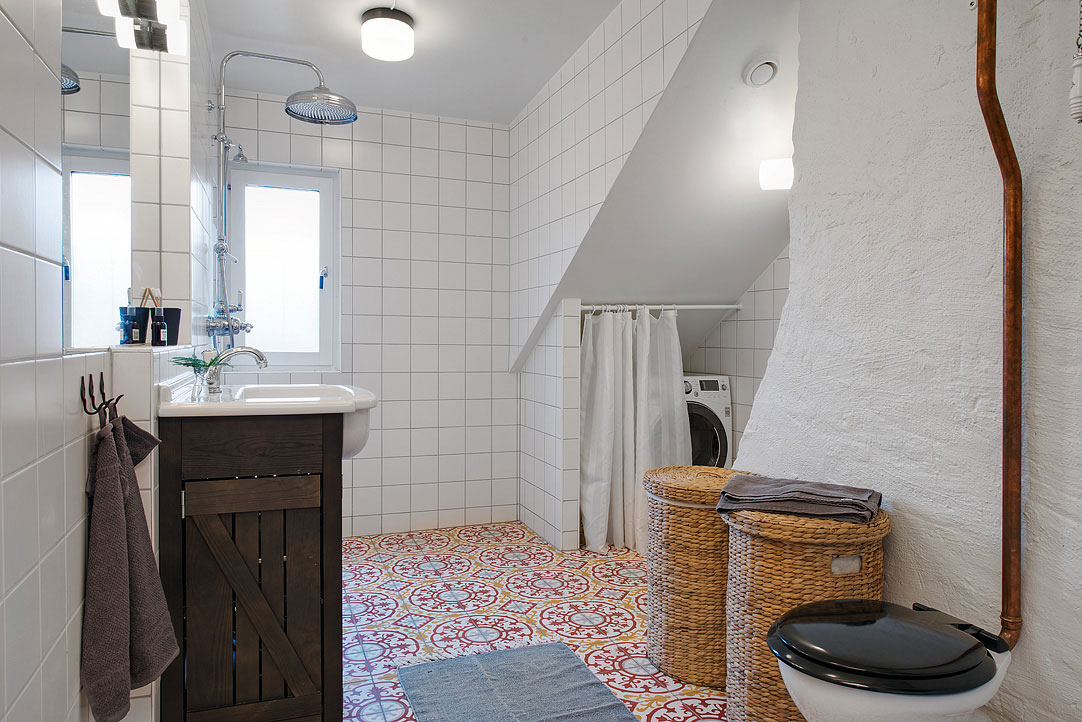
<point x="237" y="307"/>
<point x="220" y="326"/>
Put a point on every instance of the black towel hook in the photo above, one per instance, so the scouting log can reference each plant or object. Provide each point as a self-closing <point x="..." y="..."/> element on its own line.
<point x="105" y="410"/>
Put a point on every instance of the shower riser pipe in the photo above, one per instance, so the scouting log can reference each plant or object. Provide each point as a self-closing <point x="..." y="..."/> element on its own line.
<point x="222" y="323"/>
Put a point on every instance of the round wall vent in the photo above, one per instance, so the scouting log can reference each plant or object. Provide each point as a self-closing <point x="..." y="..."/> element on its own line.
<point x="760" y="72"/>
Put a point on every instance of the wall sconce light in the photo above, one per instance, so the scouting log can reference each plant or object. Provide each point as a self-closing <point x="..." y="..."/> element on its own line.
<point x="148" y="24"/>
<point x="150" y="35"/>
<point x="160" y="11"/>
<point x="776" y="174"/>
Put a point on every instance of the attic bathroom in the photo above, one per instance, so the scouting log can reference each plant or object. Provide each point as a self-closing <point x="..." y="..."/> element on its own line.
<point x="580" y="360"/>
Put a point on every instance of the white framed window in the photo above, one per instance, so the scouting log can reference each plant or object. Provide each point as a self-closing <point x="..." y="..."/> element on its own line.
<point x="97" y="247"/>
<point x="283" y="229"/>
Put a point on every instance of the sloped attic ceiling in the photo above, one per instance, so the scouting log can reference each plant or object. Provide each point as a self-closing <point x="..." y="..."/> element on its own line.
<point x="686" y="220"/>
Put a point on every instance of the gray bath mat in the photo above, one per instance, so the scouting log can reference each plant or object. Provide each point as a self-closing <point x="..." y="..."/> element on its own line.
<point x="544" y="683"/>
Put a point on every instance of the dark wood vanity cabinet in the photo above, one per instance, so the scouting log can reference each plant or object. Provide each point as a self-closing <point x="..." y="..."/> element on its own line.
<point x="250" y="539"/>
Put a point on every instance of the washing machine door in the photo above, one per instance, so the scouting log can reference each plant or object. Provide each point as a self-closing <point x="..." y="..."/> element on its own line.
<point x="709" y="446"/>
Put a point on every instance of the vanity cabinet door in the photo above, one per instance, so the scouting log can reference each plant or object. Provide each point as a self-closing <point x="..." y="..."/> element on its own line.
<point x="252" y="553"/>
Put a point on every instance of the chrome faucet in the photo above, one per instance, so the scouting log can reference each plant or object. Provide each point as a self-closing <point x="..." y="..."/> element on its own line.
<point x="214" y="373"/>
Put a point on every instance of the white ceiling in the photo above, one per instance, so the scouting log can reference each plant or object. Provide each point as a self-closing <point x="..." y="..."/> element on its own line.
<point x="475" y="59"/>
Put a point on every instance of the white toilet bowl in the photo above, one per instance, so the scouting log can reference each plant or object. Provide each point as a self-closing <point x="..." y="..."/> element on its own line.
<point x="853" y="660"/>
<point x="821" y="701"/>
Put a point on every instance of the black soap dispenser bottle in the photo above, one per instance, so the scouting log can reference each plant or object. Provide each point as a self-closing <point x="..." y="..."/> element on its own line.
<point x="159" y="330"/>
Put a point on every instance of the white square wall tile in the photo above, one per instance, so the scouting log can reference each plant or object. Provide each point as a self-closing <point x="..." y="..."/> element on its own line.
<point x="273" y="147"/>
<point x="47" y="115"/>
<point x="49" y="381"/>
<point x="132" y="377"/>
<point x="176" y="225"/>
<point x="368" y="127"/>
<point x="20" y="532"/>
<point x="396" y="499"/>
<point x="51" y="489"/>
<point x="272" y="116"/>
<point x="17" y="78"/>
<point x="145" y="128"/>
<point x="17" y="185"/>
<point x="175" y="133"/>
<point x="396" y="130"/>
<point x="49" y="214"/>
<point x="176" y="181"/>
<point x="18" y="424"/>
<point x="305" y="150"/>
<point x="452" y="137"/>
<point x="18" y="321"/>
<point x="451" y="517"/>
<point x="49" y="323"/>
<point x="176" y="275"/>
<point x="145" y="171"/>
<point x="424" y="133"/>
<point x="22" y="632"/>
<point x="242" y="112"/>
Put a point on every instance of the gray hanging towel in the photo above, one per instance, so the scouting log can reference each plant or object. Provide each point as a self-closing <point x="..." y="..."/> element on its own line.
<point x="128" y="637"/>
<point x="802" y="498"/>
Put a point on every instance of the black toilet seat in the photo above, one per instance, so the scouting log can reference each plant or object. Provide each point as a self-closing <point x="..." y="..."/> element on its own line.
<point x="884" y="647"/>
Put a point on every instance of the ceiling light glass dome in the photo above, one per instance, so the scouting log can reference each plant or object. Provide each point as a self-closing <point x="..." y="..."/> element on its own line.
<point x="387" y="34"/>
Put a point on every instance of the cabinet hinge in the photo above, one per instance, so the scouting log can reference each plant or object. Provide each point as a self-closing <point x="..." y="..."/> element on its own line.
<point x="182" y="504"/>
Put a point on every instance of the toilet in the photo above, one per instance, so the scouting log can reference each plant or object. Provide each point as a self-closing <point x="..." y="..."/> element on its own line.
<point x="858" y="660"/>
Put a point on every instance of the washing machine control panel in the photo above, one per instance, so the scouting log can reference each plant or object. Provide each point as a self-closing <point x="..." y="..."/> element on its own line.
<point x="705" y="387"/>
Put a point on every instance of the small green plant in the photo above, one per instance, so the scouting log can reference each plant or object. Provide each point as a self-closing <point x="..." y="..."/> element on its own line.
<point x="198" y="365"/>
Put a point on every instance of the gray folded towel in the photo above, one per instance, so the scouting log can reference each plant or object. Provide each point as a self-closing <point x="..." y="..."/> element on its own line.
<point x="801" y="498"/>
<point x="128" y="637"/>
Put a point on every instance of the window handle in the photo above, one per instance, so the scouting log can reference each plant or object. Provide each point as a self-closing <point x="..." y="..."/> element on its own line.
<point x="323" y="274"/>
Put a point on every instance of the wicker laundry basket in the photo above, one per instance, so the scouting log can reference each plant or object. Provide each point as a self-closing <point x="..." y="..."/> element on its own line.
<point x="778" y="562"/>
<point x="686" y="571"/>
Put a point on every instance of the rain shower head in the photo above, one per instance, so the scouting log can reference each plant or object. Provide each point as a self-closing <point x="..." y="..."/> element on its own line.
<point x="69" y="81"/>
<point x="322" y="106"/>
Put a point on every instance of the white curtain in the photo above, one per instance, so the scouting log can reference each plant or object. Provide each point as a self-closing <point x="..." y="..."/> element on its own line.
<point x="633" y="418"/>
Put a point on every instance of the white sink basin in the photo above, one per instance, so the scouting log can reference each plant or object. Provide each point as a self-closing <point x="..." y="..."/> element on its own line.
<point x="280" y="400"/>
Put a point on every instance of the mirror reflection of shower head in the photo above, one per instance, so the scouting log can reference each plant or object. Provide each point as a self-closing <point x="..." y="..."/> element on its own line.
<point x="69" y="81"/>
<point x="321" y="106"/>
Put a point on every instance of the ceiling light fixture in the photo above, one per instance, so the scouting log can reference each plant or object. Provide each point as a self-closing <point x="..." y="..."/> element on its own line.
<point x="387" y="34"/>
<point x="776" y="174"/>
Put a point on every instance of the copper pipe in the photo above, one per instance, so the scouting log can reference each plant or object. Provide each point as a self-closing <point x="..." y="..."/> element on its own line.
<point x="1011" y="614"/>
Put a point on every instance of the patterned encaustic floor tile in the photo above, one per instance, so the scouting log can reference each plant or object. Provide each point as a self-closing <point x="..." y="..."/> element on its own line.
<point x="435" y="594"/>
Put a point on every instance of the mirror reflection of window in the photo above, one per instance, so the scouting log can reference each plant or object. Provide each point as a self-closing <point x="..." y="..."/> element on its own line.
<point x="99" y="254"/>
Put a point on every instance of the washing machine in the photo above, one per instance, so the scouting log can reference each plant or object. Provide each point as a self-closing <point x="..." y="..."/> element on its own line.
<point x="710" y="412"/>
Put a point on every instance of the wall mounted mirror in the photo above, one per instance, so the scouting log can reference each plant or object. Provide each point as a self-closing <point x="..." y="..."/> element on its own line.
<point x="96" y="176"/>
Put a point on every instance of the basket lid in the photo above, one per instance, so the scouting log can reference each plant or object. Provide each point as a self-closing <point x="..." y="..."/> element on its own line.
<point x="688" y="484"/>
<point x="808" y="530"/>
